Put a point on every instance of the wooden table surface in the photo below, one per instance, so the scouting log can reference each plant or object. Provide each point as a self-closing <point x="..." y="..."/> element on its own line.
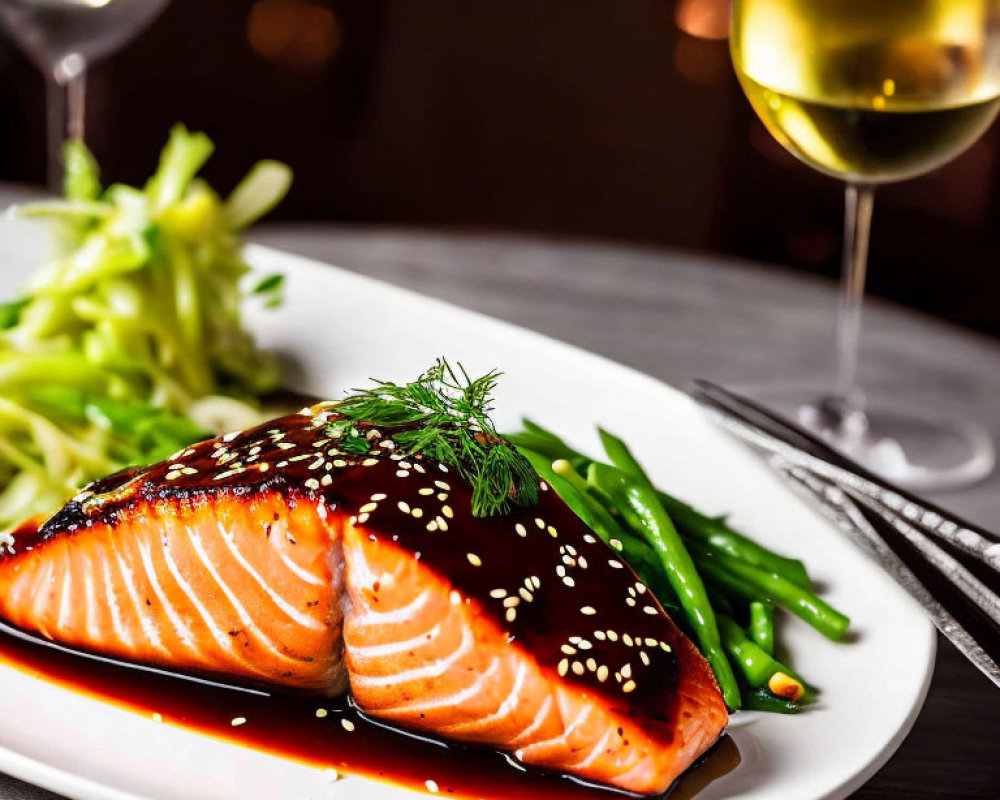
<point x="680" y="316"/>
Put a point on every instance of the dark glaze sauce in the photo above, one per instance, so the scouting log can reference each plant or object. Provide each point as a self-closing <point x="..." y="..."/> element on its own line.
<point x="579" y="610"/>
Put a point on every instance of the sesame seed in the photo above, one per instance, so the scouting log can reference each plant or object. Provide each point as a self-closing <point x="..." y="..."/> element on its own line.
<point x="528" y="597"/>
<point x="616" y="544"/>
<point x="536" y="581"/>
<point x="369" y="462"/>
<point x="630" y="601"/>
<point x="553" y="532"/>
<point x="432" y="526"/>
<point x="543" y="486"/>
<point x="563" y="667"/>
<point x="339" y="462"/>
<point x="578" y="668"/>
<point x="665" y="647"/>
<point x="378" y="497"/>
<point x="496" y="594"/>
<point x="650" y="642"/>
<point x="237" y="721"/>
<point x="347" y="725"/>
<point x="569" y="581"/>
<point x="441" y="523"/>
<point x="615" y="564"/>
<point x="511" y="614"/>
<point x="591" y="664"/>
<point x="568" y="650"/>
<point x="650" y="610"/>
<point x="589" y="539"/>
<point x="402" y="473"/>
<point x="640" y="587"/>
<point x="426" y="491"/>
<point x="631" y="591"/>
<point x="446" y="510"/>
<point x="475" y="560"/>
<point x="628" y="686"/>
<point x="561" y="571"/>
<point x="442" y="497"/>
<point x="643" y="657"/>
<point x="521" y="531"/>
<point x="588" y="610"/>
<point x="417" y="513"/>
<point x="312" y="483"/>
<point x="511" y="602"/>
<point x="602" y="673"/>
<point x="627" y="671"/>
<point x="363" y="518"/>
<point x="403" y="506"/>
<point x="442" y="485"/>
<point x="367" y="508"/>
<point x="612" y="636"/>
<point x="326" y="480"/>
<point x="627" y="640"/>
<point x="540" y="523"/>
<point x="582" y="562"/>
<point x="321" y="712"/>
<point x="585" y="645"/>
<point x="571" y="550"/>
<point x="600" y="635"/>
<point x="431" y="786"/>
<point x="575" y="639"/>
<point x="419" y="469"/>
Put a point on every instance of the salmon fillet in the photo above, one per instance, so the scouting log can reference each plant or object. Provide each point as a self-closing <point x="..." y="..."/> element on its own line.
<point x="271" y="557"/>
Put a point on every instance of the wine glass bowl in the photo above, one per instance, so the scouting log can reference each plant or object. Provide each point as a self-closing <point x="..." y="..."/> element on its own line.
<point x="869" y="93"/>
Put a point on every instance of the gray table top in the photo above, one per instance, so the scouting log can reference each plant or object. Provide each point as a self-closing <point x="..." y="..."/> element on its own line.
<point x="679" y="316"/>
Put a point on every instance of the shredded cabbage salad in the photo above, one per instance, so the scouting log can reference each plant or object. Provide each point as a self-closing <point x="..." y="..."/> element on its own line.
<point x="128" y="343"/>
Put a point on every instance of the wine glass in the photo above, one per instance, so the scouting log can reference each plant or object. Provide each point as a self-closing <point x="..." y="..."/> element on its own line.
<point x="62" y="37"/>
<point x="872" y="91"/>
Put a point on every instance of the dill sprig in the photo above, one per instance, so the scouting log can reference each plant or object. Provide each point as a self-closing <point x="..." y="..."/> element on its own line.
<point x="444" y="415"/>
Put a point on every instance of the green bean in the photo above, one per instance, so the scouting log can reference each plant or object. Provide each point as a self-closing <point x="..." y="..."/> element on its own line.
<point x="709" y="530"/>
<point x="804" y="604"/>
<point x="756" y="666"/>
<point x="714" y="532"/>
<point x="646" y="516"/>
<point x="724" y="581"/>
<point x="622" y="458"/>
<point x="762" y="625"/>
<point x="763" y="700"/>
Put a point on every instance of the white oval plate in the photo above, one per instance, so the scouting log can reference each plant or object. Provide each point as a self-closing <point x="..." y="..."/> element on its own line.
<point x="337" y="329"/>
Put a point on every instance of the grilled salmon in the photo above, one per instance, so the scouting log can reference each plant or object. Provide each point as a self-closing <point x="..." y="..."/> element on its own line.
<point x="272" y="557"/>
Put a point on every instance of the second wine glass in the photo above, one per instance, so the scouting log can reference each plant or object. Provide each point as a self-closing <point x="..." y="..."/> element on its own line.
<point x="872" y="92"/>
<point x="63" y="37"/>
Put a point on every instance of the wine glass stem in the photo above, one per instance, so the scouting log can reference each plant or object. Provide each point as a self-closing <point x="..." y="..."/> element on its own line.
<point x="858" y="203"/>
<point x="65" y="91"/>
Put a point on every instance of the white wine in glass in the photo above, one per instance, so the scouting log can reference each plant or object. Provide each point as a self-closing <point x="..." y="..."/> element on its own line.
<point x="871" y="91"/>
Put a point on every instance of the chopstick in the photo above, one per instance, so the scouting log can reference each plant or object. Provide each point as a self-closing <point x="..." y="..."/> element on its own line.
<point x="974" y="634"/>
<point x="800" y="446"/>
<point x="945" y="563"/>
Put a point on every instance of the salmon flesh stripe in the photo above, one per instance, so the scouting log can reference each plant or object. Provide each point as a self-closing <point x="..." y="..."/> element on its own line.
<point x="272" y="558"/>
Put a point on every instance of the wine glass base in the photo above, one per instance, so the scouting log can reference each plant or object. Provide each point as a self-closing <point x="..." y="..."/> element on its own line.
<point x="909" y="447"/>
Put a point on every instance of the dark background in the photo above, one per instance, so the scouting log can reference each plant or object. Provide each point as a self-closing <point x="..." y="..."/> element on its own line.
<point x="614" y="120"/>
